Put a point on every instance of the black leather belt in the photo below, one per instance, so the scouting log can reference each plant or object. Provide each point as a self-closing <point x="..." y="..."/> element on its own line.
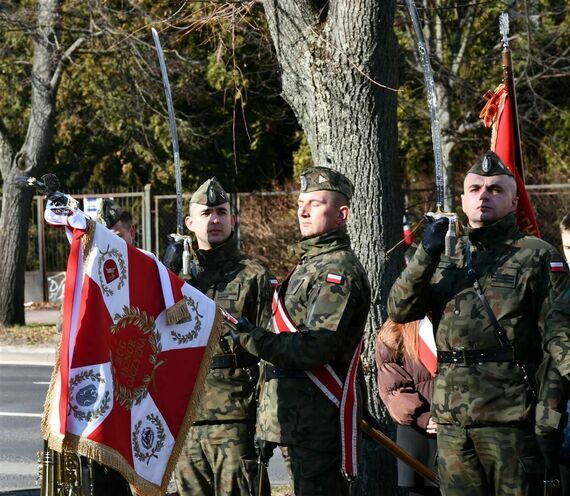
<point x="233" y="361"/>
<point x="272" y="372"/>
<point x="462" y="356"/>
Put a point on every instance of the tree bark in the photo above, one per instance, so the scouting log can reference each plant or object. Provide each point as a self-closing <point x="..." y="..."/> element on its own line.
<point x="339" y="74"/>
<point x="30" y="159"/>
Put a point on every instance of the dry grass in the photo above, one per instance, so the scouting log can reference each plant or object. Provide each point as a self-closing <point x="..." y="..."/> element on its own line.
<point x="32" y="334"/>
<point x="281" y="490"/>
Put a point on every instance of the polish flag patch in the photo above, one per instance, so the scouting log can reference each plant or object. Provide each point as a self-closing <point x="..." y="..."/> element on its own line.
<point x="334" y="278"/>
<point x="557" y="267"/>
<point x="274" y="283"/>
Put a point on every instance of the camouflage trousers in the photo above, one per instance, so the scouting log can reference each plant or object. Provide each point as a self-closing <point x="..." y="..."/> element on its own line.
<point x="215" y="461"/>
<point x="314" y="473"/>
<point x="487" y="461"/>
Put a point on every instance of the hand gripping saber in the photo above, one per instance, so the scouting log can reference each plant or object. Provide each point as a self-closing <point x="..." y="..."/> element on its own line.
<point x="435" y="132"/>
<point x="176" y="152"/>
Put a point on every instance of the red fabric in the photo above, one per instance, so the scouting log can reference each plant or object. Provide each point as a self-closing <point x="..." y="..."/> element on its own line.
<point x="498" y="112"/>
<point x="126" y="386"/>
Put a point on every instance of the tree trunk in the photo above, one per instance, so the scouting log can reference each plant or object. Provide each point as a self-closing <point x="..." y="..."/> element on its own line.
<point x="339" y="73"/>
<point x="29" y="160"/>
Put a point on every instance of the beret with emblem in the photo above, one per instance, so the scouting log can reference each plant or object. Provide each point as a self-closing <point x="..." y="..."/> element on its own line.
<point x="110" y="212"/>
<point x="210" y="194"/>
<point x="489" y="164"/>
<point x="319" y="178"/>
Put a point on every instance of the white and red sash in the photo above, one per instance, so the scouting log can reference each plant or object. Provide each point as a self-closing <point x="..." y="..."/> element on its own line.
<point x="326" y="379"/>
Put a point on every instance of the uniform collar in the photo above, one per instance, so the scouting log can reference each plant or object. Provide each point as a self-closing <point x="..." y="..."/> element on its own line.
<point x="336" y="239"/>
<point x="228" y="250"/>
<point x="502" y="230"/>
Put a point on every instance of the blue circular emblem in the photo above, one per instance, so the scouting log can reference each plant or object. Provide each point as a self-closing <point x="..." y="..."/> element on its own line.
<point x="87" y="395"/>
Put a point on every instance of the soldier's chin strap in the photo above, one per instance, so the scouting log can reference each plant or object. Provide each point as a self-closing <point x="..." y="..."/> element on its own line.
<point x="499" y="331"/>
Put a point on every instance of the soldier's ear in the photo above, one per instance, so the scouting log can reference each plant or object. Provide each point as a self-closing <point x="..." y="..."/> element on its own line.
<point x="343" y="212"/>
<point x="188" y="222"/>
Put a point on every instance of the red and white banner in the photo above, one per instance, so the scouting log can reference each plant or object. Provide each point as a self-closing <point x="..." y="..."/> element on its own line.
<point x="135" y="351"/>
<point x="498" y="114"/>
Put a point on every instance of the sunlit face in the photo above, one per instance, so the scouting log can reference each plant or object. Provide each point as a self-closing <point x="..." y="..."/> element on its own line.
<point x="127" y="233"/>
<point x="211" y="225"/>
<point x="487" y="199"/>
<point x="565" y="235"/>
<point x="319" y="212"/>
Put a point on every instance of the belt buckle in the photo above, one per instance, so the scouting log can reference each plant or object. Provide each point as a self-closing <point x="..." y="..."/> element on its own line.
<point x="463" y="361"/>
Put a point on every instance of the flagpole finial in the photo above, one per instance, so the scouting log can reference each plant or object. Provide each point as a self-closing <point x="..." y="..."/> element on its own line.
<point x="504" y="28"/>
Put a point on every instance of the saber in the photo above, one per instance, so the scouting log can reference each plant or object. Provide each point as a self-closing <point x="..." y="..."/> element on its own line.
<point x="173" y="132"/>
<point x="432" y="104"/>
<point x="435" y="132"/>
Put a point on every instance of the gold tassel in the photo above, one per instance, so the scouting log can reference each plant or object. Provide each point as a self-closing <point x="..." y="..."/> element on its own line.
<point x="177" y="313"/>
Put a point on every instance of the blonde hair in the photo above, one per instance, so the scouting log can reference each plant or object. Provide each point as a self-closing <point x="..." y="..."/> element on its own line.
<point x="400" y="339"/>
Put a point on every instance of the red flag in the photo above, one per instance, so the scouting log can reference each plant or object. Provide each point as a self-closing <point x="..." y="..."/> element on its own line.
<point x="135" y="350"/>
<point x="498" y="113"/>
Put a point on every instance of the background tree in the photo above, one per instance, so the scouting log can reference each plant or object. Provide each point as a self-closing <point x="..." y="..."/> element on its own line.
<point x="27" y="156"/>
<point x="338" y="64"/>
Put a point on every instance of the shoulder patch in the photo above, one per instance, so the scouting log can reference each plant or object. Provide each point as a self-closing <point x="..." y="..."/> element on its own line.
<point x="274" y="283"/>
<point x="334" y="278"/>
<point x="557" y="267"/>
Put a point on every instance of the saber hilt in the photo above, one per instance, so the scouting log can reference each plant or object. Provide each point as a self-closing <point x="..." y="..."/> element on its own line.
<point x="452" y="228"/>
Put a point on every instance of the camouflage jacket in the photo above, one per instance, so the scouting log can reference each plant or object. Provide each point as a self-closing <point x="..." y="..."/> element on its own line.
<point x="558" y="332"/>
<point x="515" y="272"/>
<point x="551" y="415"/>
<point x="330" y="314"/>
<point x="241" y="287"/>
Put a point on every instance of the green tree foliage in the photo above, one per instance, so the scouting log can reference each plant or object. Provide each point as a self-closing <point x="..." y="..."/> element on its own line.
<point x="540" y="43"/>
<point x="112" y="127"/>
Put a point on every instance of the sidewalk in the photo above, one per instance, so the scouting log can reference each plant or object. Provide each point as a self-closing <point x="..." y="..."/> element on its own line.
<point x="31" y="354"/>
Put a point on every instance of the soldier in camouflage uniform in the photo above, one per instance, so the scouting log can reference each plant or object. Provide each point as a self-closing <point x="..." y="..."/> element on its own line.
<point x="219" y="449"/>
<point x="327" y="298"/>
<point x="483" y="405"/>
<point x="117" y="219"/>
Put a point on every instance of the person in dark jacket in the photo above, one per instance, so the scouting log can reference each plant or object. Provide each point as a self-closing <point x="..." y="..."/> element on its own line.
<point x="405" y="386"/>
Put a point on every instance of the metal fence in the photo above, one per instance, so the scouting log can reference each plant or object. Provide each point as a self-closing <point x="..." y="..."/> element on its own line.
<point x="266" y="224"/>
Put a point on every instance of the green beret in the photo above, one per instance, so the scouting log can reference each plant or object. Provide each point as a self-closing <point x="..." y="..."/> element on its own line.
<point x="319" y="178"/>
<point x="110" y="212"/>
<point x="210" y="194"/>
<point x="489" y="164"/>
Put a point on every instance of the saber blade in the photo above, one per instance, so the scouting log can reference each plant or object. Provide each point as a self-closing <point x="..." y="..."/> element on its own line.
<point x="432" y="104"/>
<point x="173" y="131"/>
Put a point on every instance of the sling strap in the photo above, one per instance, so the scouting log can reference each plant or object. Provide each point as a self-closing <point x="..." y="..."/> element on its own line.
<point x="499" y="331"/>
<point x="343" y="395"/>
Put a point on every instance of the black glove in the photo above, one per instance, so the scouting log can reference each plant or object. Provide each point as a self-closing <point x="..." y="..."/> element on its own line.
<point x="244" y="325"/>
<point x="434" y="235"/>
<point x="173" y="256"/>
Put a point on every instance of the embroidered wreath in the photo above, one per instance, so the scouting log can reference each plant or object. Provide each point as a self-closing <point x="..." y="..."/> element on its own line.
<point x="161" y="438"/>
<point x="128" y="397"/>
<point x="193" y="333"/>
<point x="113" y="252"/>
<point x="94" y="414"/>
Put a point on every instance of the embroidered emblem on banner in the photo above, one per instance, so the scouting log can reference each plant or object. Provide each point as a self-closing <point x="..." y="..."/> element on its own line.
<point x="84" y="395"/>
<point x="557" y="267"/>
<point x="137" y="345"/>
<point x="111" y="266"/>
<point x="148" y="441"/>
<point x="334" y="278"/>
<point x="196" y="317"/>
